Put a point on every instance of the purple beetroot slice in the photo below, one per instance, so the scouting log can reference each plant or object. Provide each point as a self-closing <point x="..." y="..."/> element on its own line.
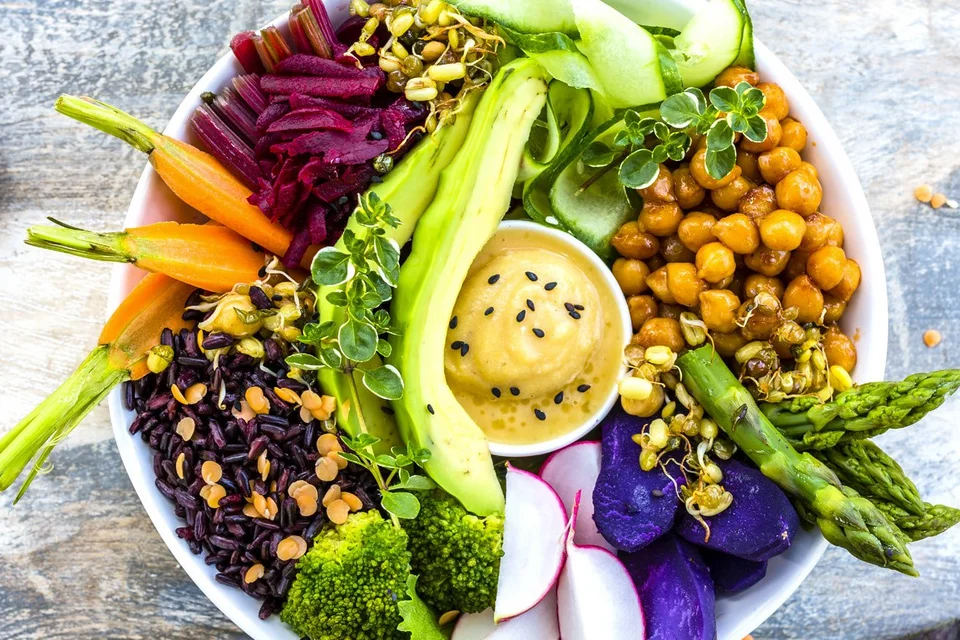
<point x="759" y="524"/>
<point x="300" y="101"/>
<point x="632" y="507"/>
<point x="675" y="589"/>
<point x="354" y="180"/>
<point x="322" y="87"/>
<point x="310" y="120"/>
<point x="731" y="573"/>
<point x="304" y="65"/>
<point x="270" y="115"/>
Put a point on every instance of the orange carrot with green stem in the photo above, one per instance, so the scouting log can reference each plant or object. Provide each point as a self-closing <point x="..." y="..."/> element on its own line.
<point x="125" y="343"/>
<point x="207" y="256"/>
<point x="196" y="177"/>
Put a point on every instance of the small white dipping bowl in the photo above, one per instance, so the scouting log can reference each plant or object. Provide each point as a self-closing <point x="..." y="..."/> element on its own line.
<point x="607" y="281"/>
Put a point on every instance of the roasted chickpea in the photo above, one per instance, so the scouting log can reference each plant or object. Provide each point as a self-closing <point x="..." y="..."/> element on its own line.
<point x="698" y="169"/>
<point x="642" y="308"/>
<point x="671" y="311"/>
<point x="756" y="322"/>
<point x="835" y="235"/>
<point x="715" y="262"/>
<point x="839" y="349"/>
<point x="850" y="282"/>
<point x="826" y="266"/>
<point x="833" y="308"/>
<point x="728" y="198"/>
<point x="757" y="284"/>
<point x="758" y="202"/>
<point x="683" y="283"/>
<point x="772" y="140"/>
<point x="656" y="262"/>
<point x="661" y="219"/>
<point x="777" y="163"/>
<point x="738" y="232"/>
<point x="689" y="194"/>
<point x="696" y="230"/>
<point x="737" y="282"/>
<point x="748" y="165"/>
<point x="673" y="250"/>
<point x="767" y="261"/>
<point x="816" y="233"/>
<point x="776" y="100"/>
<point x="631" y="242"/>
<point x="657" y="281"/>
<point x="718" y="309"/>
<point x="782" y="230"/>
<point x="794" y="134"/>
<point x="661" y="190"/>
<point x="727" y="344"/>
<point x="732" y="76"/>
<point x="800" y="192"/>
<point x="660" y="331"/>
<point x="796" y="266"/>
<point x="803" y="294"/>
<point x="631" y="275"/>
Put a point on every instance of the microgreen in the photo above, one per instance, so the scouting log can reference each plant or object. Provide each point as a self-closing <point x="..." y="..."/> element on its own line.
<point x="361" y="277"/>
<point x="395" y="489"/>
<point x="643" y="143"/>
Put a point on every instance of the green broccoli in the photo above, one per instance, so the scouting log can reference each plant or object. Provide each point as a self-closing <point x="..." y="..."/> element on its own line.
<point x="455" y="554"/>
<point x="349" y="582"/>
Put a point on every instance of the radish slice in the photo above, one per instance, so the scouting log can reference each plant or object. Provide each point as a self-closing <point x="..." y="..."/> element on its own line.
<point x="534" y="531"/>
<point x="596" y="597"/>
<point x="572" y="469"/>
<point x="540" y="622"/>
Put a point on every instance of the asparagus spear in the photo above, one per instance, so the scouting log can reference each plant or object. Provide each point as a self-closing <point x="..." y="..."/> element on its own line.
<point x="846" y="519"/>
<point x="864" y="466"/>
<point x="862" y="412"/>
<point x="935" y="519"/>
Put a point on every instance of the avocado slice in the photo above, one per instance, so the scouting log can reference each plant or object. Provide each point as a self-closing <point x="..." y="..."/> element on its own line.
<point x="473" y="196"/>
<point x="408" y="189"/>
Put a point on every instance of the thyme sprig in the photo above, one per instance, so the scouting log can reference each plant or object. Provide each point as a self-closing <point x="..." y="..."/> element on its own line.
<point x="395" y="496"/>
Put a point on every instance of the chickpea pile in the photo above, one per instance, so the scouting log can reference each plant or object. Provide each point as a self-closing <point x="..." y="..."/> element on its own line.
<point x="750" y="254"/>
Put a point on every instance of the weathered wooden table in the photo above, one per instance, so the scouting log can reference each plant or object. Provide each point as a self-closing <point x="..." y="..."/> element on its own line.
<point x="80" y="559"/>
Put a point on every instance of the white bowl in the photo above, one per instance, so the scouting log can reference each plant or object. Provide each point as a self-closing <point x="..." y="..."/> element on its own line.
<point x="575" y="246"/>
<point x="866" y="317"/>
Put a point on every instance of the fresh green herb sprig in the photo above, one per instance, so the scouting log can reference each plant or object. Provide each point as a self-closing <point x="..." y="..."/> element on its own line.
<point x="644" y="143"/>
<point x="395" y="496"/>
<point x="364" y="276"/>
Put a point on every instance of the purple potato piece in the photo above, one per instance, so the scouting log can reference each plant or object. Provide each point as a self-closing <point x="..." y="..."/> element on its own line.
<point x="675" y="590"/>
<point x="758" y="525"/>
<point x="632" y="507"/>
<point x="731" y="573"/>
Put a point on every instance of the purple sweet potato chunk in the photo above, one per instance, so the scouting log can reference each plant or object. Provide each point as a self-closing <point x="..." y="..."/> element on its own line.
<point x="758" y="525"/>
<point x="310" y="120"/>
<point x="301" y="64"/>
<point x="731" y="573"/>
<point x="323" y="87"/>
<point x="632" y="507"/>
<point x="675" y="590"/>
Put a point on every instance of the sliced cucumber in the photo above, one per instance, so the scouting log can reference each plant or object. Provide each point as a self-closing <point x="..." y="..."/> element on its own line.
<point x="525" y="16"/>
<point x="569" y="67"/>
<point x="746" y="57"/>
<point x="672" y="14"/>
<point x="711" y="41"/>
<point x="568" y="111"/>
<point x="542" y="146"/>
<point x="594" y="214"/>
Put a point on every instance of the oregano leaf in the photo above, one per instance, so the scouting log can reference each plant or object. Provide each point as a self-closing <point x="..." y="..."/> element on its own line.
<point x="358" y="340"/>
<point x="725" y="99"/>
<point x="331" y="267"/>
<point x="384" y="382"/>
<point x="638" y="170"/>
<point x="720" y="163"/>
<point x="720" y="136"/>
<point x="401" y="504"/>
<point x="598" y="155"/>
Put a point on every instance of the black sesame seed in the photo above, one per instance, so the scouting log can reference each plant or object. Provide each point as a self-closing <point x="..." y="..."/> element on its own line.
<point x="514" y="391"/>
<point x="550" y="286"/>
<point x="488" y="311"/>
<point x="657" y="493"/>
<point x="579" y="307"/>
<point x="376" y="135"/>
<point x="496" y="392"/>
<point x="453" y="322"/>
<point x="575" y="315"/>
<point x="376" y="179"/>
<point x="568" y="306"/>
<point x="531" y="276"/>
<point x="430" y="409"/>
<point x="493" y="279"/>
<point x="583" y="388"/>
<point x="463" y="349"/>
<point x="262" y="272"/>
<point x="276" y="297"/>
<point x="538" y="332"/>
<point x="456" y="345"/>
<point x="530" y="305"/>
<point x="540" y="414"/>
<point x="387" y="410"/>
<point x="557" y="399"/>
<point x="521" y="315"/>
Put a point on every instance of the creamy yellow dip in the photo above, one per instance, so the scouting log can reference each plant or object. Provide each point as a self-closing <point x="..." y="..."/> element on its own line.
<point x="535" y="341"/>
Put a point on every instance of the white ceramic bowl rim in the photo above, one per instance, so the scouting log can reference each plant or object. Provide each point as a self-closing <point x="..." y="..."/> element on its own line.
<point x="737" y="614"/>
<point x="549" y="446"/>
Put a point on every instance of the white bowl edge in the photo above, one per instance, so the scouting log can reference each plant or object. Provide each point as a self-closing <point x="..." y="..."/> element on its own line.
<point x="737" y="614"/>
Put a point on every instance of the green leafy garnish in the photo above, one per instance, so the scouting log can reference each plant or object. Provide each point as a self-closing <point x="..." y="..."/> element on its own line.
<point x="395" y="488"/>
<point x="418" y="619"/>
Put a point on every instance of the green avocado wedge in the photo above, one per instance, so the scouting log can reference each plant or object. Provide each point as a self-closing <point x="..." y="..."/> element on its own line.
<point x="473" y="196"/>
<point x="408" y="189"/>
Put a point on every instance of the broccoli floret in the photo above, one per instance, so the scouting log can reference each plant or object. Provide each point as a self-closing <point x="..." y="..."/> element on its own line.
<point x="455" y="554"/>
<point x="349" y="582"/>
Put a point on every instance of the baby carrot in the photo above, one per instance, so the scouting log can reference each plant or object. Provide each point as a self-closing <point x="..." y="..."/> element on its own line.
<point x="129" y="335"/>
<point x="207" y="256"/>
<point x="196" y="177"/>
